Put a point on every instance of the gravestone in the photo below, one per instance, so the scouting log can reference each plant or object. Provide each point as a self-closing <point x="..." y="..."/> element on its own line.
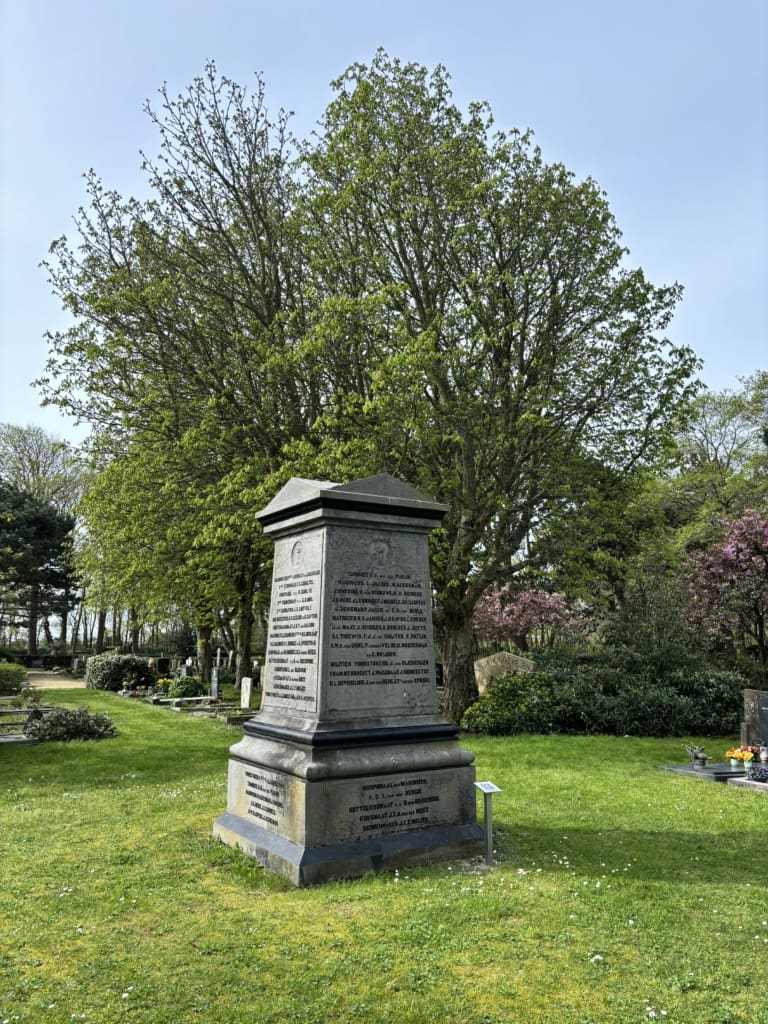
<point x="246" y="685"/>
<point x="349" y="767"/>
<point x="502" y="663"/>
<point x="754" y="726"/>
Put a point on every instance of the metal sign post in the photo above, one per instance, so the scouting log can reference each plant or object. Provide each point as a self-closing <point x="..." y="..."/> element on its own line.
<point x="488" y="789"/>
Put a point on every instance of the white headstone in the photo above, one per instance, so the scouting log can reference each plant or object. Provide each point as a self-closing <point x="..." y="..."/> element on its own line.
<point x="246" y="684"/>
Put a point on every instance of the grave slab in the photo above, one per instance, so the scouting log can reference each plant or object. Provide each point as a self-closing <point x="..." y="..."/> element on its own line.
<point x="712" y="773"/>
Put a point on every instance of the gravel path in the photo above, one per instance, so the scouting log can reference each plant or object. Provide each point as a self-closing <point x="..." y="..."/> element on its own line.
<point x="53" y="680"/>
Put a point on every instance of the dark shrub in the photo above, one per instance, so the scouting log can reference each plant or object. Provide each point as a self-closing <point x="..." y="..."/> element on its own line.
<point x="187" y="686"/>
<point x="589" y="694"/>
<point x="516" y="703"/>
<point x="65" y="724"/>
<point x="12" y="677"/>
<point x="117" y="672"/>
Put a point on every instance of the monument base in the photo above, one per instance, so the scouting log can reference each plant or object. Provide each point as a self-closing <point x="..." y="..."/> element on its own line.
<point x="349" y="767"/>
<point x="339" y="813"/>
<point x="350" y="859"/>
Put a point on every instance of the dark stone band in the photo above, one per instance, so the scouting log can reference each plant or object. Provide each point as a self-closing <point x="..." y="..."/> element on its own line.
<point x="354" y="737"/>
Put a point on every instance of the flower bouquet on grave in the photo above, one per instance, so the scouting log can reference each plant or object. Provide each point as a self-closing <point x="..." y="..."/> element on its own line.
<point x="739" y="756"/>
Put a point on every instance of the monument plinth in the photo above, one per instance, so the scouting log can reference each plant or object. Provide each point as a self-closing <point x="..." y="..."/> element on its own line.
<point x="349" y="767"/>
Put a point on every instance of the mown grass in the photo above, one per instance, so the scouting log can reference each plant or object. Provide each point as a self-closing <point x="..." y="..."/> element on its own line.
<point x="621" y="894"/>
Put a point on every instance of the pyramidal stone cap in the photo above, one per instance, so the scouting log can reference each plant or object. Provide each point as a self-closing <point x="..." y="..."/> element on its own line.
<point x="304" y="500"/>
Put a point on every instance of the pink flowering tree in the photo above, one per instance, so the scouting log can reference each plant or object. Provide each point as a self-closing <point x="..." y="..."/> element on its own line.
<point x="529" y="618"/>
<point x="729" y="584"/>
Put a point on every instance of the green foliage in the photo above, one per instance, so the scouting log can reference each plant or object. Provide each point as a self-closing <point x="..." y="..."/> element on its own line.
<point x="753" y="671"/>
<point x="226" y="677"/>
<point x="65" y="724"/>
<point x="117" y="671"/>
<point x="27" y="697"/>
<point x="187" y="686"/>
<point x="12" y="677"/>
<point x="35" y="550"/>
<point x="650" y="630"/>
<point x="417" y="293"/>
<point x="595" y="694"/>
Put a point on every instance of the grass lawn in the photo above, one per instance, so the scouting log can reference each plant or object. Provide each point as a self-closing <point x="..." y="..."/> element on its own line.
<point x="622" y="894"/>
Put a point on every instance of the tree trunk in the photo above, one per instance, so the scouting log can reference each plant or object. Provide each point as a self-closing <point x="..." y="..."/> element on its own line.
<point x="117" y="628"/>
<point x="244" y="625"/>
<point x="76" y="630"/>
<point x="204" y="652"/>
<point x="34" y="596"/>
<point x="100" y="629"/>
<point x="135" y="630"/>
<point x="460" y="688"/>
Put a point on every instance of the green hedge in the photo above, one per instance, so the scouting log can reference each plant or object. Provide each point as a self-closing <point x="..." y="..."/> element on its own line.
<point x="117" y="672"/>
<point x="12" y="677"/>
<point x="595" y="697"/>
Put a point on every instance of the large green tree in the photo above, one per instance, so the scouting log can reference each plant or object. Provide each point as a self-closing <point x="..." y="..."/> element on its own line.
<point x="186" y="309"/>
<point x="416" y="294"/>
<point x="723" y="460"/>
<point x="482" y="331"/>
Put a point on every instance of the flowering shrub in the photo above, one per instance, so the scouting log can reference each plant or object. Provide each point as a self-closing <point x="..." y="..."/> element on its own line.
<point x="729" y="584"/>
<point x="528" y="618"/>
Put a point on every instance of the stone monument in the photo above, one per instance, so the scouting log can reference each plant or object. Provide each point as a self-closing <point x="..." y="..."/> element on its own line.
<point x="349" y="767"/>
<point x="754" y="727"/>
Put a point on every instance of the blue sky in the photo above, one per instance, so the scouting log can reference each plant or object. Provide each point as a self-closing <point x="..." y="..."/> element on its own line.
<point x="664" y="104"/>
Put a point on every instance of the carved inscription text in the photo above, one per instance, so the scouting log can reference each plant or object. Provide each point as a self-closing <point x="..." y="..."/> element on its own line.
<point x="379" y="631"/>
<point x="293" y="639"/>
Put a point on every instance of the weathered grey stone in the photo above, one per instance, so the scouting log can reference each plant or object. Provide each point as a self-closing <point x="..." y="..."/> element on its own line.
<point x="754" y="727"/>
<point x="758" y="787"/>
<point x="502" y="663"/>
<point x="246" y="687"/>
<point x="349" y="767"/>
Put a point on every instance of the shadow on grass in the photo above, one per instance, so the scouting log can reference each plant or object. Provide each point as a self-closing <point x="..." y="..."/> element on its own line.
<point x="651" y="855"/>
